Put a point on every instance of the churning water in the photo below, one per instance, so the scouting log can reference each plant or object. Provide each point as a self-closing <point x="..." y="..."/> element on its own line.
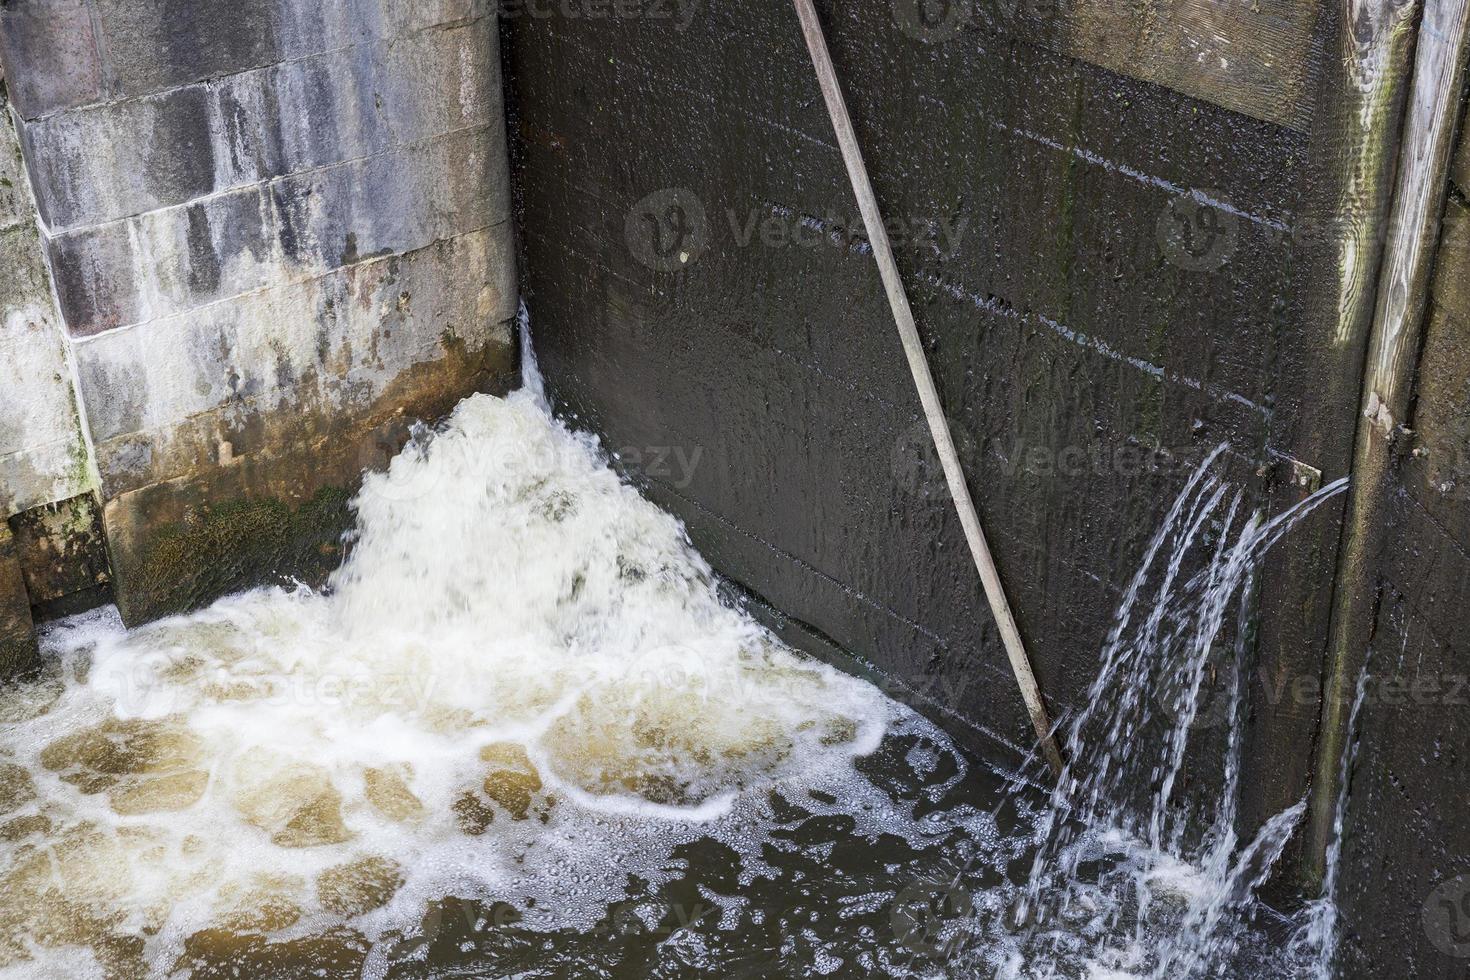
<point x="520" y="735"/>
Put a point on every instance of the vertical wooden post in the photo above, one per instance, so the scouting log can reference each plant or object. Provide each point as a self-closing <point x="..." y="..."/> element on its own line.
<point x="1399" y="294"/>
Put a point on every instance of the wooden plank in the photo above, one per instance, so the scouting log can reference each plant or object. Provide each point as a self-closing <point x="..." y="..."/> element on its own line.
<point x="1249" y="56"/>
<point x="1434" y="112"/>
<point x="1401" y="288"/>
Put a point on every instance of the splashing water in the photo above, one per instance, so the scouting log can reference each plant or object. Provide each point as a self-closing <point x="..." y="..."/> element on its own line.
<point x="1132" y="876"/>
<point x="1315" y="940"/>
<point x="533" y="385"/>
<point x="521" y="735"/>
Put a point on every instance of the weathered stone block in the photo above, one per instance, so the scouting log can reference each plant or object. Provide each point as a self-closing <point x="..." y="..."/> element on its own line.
<point x="44" y="472"/>
<point x="398" y="18"/>
<point x="168" y="149"/>
<point x="165" y="262"/>
<point x="63" y="555"/>
<point x="67" y="53"/>
<point x="42" y="454"/>
<point x="18" y="649"/>
<point x="49" y="51"/>
<point x="438" y="81"/>
<point x="328" y="344"/>
<point x="107" y="162"/>
<point x="35" y="389"/>
<point x="394" y="202"/>
<point x="156" y="44"/>
<point x="313" y="112"/>
<point x="95" y="284"/>
<point x="306" y="113"/>
<point x="173" y="260"/>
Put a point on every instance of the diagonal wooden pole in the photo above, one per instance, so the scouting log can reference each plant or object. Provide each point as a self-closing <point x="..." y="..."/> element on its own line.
<point x="816" y="41"/>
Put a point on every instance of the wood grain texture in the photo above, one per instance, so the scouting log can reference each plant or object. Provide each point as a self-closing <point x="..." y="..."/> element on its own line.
<point x="1428" y="145"/>
<point x="1398" y="294"/>
<point x="1375" y="44"/>
<point x="1250" y="56"/>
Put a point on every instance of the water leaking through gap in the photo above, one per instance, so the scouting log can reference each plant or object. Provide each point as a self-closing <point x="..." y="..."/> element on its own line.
<point x="521" y="733"/>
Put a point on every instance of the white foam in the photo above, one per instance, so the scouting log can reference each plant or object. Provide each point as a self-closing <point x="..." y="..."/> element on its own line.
<point x="504" y="589"/>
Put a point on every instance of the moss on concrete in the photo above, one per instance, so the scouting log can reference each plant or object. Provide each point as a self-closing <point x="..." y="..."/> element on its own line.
<point x="63" y="555"/>
<point x="235" y="545"/>
<point x="17" y="632"/>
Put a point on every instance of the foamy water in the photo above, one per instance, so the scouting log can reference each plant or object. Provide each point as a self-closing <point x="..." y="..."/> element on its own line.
<point x="521" y="686"/>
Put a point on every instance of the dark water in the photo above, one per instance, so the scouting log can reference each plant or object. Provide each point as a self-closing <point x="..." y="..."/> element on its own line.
<point x="823" y="898"/>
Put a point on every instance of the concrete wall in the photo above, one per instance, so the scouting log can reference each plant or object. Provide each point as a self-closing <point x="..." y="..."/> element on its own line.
<point x="278" y="231"/>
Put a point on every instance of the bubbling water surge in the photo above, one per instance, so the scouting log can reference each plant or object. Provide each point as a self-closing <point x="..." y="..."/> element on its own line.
<point x="521" y="684"/>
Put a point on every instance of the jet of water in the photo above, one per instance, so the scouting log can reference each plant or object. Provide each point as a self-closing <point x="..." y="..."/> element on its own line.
<point x="1129" y="878"/>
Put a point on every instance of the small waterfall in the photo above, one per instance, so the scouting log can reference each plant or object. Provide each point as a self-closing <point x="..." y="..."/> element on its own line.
<point x="1316" y="939"/>
<point x="533" y="383"/>
<point x="1134" y="875"/>
<point x="522" y="684"/>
